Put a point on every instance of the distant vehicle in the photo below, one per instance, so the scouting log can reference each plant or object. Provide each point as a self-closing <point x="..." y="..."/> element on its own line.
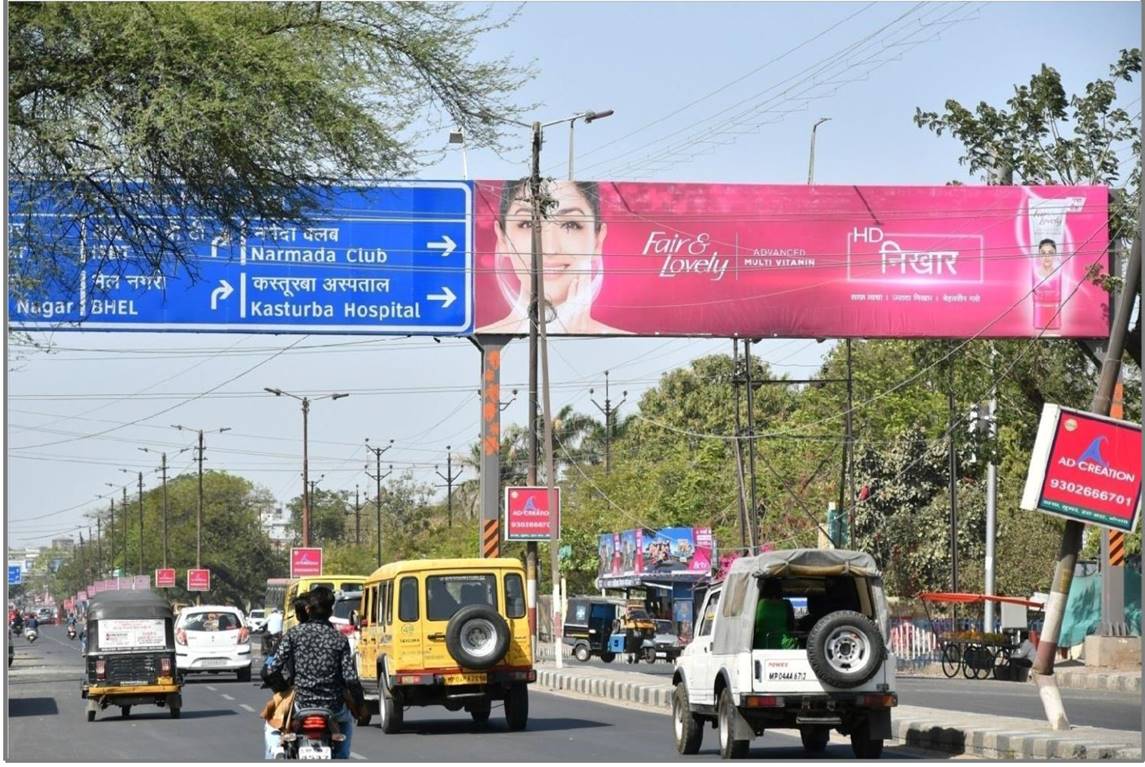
<point x="336" y="583"/>
<point x="212" y="639"/>
<point x="46" y="616"/>
<point x="665" y="644"/>
<point x="345" y="605"/>
<point x="256" y="620"/>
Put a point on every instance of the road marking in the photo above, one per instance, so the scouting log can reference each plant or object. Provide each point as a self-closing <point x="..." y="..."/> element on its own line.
<point x="356" y="755"/>
<point x="228" y="697"/>
<point x="209" y="687"/>
<point x="247" y="707"/>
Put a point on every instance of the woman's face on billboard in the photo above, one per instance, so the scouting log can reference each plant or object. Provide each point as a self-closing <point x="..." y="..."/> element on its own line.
<point x="570" y="240"/>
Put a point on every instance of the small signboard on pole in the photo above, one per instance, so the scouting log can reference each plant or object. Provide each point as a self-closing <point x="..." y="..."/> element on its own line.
<point x="527" y="514"/>
<point x="199" y="579"/>
<point x="305" y="561"/>
<point x="165" y="578"/>
<point x="1087" y="468"/>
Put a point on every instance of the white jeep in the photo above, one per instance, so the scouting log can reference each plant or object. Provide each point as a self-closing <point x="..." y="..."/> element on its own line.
<point x="827" y="669"/>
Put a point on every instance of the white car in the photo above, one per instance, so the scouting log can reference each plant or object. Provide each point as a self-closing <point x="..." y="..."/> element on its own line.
<point x="255" y="620"/>
<point x="212" y="639"/>
<point x="345" y="603"/>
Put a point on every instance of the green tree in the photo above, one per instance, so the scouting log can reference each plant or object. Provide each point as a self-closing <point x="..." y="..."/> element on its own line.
<point x="230" y="111"/>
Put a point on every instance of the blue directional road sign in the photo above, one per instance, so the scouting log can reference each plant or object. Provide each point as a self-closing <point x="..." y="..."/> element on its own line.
<point x="15" y="575"/>
<point x="392" y="258"/>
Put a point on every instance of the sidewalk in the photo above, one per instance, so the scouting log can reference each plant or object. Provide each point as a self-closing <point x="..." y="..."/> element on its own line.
<point x="1074" y="676"/>
<point x="951" y="732"/>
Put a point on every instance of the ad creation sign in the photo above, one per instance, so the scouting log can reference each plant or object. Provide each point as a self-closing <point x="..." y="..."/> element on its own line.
<point x="527" y="516"/>
<point x="305" y="561"/>
<point x="1087" y="468"/>
<point x="165" y="578"/>
<point x="390" y="258"/>
<point x="668" y="552"/>
<point x="625" y="258"/>
<point x="199" y="579"/>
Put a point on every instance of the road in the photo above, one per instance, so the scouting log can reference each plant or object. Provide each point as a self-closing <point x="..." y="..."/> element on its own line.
<point x="220" y="723"/>
<point x="1093" y="708"/>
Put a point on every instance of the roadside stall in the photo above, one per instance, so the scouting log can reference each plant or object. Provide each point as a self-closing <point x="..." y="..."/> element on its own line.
<point x="660" y="567"/>
<point x="974" y="653"/>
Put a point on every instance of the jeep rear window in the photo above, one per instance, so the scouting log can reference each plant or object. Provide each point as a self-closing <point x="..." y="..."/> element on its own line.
<point x="446" y="594"/>
<point x="514" y="596"/>
<point x="407" y="600"/>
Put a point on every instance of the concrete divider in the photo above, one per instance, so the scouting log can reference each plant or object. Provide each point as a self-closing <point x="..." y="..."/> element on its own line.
<point x="950" y="732"/>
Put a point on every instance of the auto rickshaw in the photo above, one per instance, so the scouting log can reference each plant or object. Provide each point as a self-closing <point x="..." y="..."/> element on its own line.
<point x="630" y="632"/>
<point x="130" y="654"/>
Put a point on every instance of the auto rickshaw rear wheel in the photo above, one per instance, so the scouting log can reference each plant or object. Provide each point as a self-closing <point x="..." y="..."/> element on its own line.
<point x="175" y="711"/>
<point x="608" y="657"/>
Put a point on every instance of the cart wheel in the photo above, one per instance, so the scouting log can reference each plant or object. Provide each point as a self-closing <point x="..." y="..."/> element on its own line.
<point x="951" y="663"/>
<point x="973" y="665"/>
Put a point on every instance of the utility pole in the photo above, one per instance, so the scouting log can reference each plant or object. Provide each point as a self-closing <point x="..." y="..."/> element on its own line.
<point x="736" y="381"/>
<point x="99" y="543"/>
<point x="163" y="471"/>
<point x="608" y="410"/>
<point x="991" y="498"/>
<point x="199" y="510"/>
<point x="753" y="518"/>
<point x="953" y="468"/>
<point x="377" y="476"/>
<point x="125" y="528"/>
<point x="142" y="571"/>
<point x="449" y="478"/>
<point x="357" y="517"/>
<point x="83" y="559"/>
<point x="1072" y="536"/>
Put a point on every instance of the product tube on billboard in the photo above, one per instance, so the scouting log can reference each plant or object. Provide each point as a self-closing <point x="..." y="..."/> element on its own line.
<point x="624" y="258"/>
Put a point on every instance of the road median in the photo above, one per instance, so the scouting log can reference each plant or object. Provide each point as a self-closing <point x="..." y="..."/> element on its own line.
<point x="950" y="732"/>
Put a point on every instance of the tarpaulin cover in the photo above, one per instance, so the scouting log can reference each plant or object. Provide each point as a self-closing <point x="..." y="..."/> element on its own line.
<point x="736" y="623"/>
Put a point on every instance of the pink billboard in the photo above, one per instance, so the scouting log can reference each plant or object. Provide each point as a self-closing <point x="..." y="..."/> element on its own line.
<point x="643" y="259"/>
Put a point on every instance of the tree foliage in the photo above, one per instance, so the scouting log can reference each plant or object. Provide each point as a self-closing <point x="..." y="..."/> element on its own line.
<point x="231" y="111"/>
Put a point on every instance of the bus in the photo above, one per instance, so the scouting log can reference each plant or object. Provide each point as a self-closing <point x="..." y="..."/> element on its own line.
<point x="276" y="594"/>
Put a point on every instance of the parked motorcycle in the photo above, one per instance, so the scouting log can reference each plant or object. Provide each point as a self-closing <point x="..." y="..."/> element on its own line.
<point x="31" y="635"/>
<point x="313" y="735"/>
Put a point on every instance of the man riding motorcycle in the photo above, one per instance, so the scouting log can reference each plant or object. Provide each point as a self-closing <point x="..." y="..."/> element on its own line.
<point x="316" y="658"/>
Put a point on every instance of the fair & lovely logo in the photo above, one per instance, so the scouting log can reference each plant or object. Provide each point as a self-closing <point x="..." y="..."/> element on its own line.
<point x="686" y="255"/>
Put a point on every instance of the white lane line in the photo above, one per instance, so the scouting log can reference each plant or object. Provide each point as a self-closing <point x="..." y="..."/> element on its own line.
<point x="247" y="707"/>
<point x="212" y="689"/>
<point x="356" y="755"/>
<point x="228" y="697"/>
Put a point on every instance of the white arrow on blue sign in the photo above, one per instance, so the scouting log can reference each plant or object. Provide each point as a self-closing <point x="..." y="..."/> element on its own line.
<point x="15" y="575"/>
<point x="394" y="258"/>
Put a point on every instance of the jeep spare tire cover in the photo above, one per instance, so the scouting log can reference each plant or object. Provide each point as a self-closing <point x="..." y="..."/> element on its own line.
<point x="477" y="637"/>
<point x="845" y="649"/>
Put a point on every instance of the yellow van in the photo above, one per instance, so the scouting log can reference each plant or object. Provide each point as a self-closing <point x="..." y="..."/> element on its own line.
<point x="446" y="632"/>
<point x="298" y="586"/>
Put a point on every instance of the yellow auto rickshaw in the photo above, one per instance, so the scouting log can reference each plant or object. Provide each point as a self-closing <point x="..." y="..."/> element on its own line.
<point x="129" y="658"/>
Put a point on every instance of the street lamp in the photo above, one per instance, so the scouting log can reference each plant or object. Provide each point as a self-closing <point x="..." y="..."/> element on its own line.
<point x="305" y="459"/>
<point x="458" y="137"/>
<point x="588" y="117"/>
<point x="811" y="163"/>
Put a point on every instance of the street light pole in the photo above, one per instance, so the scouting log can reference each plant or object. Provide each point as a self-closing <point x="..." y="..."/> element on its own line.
<point x="608" y="410"/>
<point x="811" y="163"/>
<point x="305" y="450"/>
<point x="536" y="296"/>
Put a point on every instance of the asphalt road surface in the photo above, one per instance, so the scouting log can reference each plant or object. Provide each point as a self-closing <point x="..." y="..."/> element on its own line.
<point x="220" y="722"/>
<point x="1093" y="708"/>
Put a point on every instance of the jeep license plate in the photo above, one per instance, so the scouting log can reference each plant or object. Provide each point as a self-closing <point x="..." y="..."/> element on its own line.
<point x="313" y="752"/>
<point x="465" y="678"/>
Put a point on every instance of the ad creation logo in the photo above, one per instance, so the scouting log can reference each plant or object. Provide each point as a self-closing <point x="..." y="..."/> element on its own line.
<point x="1092" y="461"/>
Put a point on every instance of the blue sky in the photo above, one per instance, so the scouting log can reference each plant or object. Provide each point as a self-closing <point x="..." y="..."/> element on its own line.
<point x="646" y="61"/>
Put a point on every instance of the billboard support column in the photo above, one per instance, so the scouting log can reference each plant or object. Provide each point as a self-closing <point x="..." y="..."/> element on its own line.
<point x="1072" y="537"/>
<point x="490" y="468"/>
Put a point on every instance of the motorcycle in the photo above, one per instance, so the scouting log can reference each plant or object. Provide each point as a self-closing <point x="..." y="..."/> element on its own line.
<point x="31" y="635"/>
<point x="71" y="632"/>
<point x="313" y="735"/>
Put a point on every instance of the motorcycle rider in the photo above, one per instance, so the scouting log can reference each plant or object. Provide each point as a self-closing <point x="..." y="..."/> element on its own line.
<point x="317" y="659"/>
<point x="276" y="712"/>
